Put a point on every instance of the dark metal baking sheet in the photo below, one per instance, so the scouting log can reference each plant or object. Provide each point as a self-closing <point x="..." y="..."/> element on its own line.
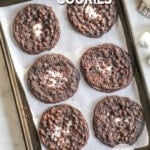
<point x="29" y="131"/>
<point x="4" y="3"/>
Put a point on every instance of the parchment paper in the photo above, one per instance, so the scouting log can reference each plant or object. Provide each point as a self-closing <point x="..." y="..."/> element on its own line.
<point x="71" y="44"/>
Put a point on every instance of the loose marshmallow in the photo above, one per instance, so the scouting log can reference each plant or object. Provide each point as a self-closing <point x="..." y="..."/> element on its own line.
<point x="145" y="40"/>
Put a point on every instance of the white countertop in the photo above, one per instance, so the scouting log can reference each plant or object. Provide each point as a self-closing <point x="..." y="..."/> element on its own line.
<point x="10" y="131"/>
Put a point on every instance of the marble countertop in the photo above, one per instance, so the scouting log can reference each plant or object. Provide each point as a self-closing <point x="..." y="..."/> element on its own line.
<point x="10" y="131"/>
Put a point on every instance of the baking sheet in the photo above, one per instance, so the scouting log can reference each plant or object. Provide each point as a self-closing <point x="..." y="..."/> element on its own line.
<point x="72" y="45"/>
<point x="139" y="25"/>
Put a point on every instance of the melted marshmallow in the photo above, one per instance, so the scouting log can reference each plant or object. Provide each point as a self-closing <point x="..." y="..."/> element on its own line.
<point x="118" y="120"/>
<point x="53" y="79"/>
<point x="37" y="29"/>
<point x="104" y="70"/>
<point x="91" y="12"/>
<point x="58" y="131"/>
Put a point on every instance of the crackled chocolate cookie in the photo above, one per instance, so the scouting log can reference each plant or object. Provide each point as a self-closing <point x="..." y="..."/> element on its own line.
<point x="63" y="127"/>
<point x="118" y="120"/>
<point x="53" y="78"/>
<point x="106" y="68"/>
<point x="92" y="20"/>
<point x="36" y="28"/>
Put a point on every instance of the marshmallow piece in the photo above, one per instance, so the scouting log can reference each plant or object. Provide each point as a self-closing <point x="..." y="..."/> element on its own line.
<point x="145" y="40"/>
<point x="117" y="120"/>
<point x="37" y="29"/>
<point x="91" y="12"/>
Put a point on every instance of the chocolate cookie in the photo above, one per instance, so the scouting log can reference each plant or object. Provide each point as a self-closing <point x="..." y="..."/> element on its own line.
<point x="106" y="68"/>
<point x="118" y="120"/>
<point x="63" y="127"/>
<point x="92" y="20"/>
<point x="53" y="78"/>
<point x="36" y="28"/>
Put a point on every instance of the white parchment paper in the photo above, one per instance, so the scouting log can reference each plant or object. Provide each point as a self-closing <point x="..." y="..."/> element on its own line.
<point x="71" y="44"/>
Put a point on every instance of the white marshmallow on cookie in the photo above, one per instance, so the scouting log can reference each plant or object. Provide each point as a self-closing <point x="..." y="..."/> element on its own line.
<point x="91" y="12"/>
<point x="37" y="29"/>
